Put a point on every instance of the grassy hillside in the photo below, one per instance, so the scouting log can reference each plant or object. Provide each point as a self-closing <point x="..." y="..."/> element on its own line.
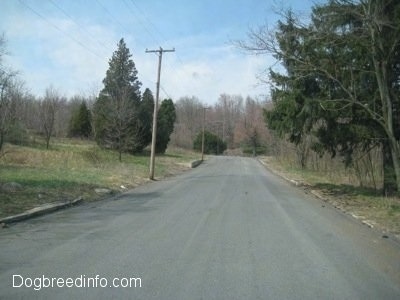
<point x="73" y="168"/>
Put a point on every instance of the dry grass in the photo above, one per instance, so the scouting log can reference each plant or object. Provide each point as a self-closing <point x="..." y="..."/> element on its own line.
<point x="74" y="168"/>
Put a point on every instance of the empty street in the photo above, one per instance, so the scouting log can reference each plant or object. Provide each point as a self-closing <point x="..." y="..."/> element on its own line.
<point x="228" y="229"/>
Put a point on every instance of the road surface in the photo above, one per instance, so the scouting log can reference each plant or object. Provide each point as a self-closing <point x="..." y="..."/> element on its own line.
<point x="227" y="230"/>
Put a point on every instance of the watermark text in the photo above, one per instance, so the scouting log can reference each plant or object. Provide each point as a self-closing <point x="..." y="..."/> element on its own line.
<point x="82" y="281"/>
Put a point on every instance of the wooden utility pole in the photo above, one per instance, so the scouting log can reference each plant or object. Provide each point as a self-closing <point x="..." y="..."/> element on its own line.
<point x="202" y="138"/>
<point x="154" y="133"/>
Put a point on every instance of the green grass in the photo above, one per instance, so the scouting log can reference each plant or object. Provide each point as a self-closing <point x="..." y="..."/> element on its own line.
<point x="73" y="168"/>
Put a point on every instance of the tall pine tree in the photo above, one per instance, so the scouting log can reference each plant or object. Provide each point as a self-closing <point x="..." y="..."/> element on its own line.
<point x="117" y="107"/>
<point x="144" y="121"/>
<point x="165" y="124"/>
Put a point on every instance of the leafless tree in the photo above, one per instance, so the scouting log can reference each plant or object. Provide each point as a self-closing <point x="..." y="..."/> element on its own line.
<point x="189" y="118"/>
<point x="229" y="109"/>
<point x="5" y="105"/>
<point x="6" y="82"/>
<point x="48" y="109"/>
<point x="251" y="128"/>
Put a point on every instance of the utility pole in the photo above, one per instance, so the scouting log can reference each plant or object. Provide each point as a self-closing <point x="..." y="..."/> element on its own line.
<point x="154" y="133"/>
<point x="202" y="138"/>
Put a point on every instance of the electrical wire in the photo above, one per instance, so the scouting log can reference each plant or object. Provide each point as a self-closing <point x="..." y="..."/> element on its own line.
<point x="115" y="20"/>
<point x="102" y="44"/>
<point x="156" y="30"/>
<point x="59" y="29"/>
<point x="142" y="24"/>
<point x="99" y="42"/>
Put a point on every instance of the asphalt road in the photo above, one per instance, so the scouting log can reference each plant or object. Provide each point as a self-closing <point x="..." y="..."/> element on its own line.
<point x="226" y="230"/>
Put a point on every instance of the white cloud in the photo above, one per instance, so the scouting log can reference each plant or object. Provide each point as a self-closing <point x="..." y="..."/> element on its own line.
<point x="219" y="70"/>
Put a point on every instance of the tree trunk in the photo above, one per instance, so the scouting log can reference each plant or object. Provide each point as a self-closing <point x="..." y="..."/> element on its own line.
<point x="382" y="63"/>
<point x="389" y="174"/>
<point x="47" y="142"/>
<point x="1" y="139"/>
<point x="254" y="140"/>
<point x="119" y="149"/>
<point x="395" y="151"/>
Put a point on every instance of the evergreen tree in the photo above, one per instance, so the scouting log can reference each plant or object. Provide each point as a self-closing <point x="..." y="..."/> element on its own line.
<point x="341" y="81"/>
<point x="80" y="123"/>
<point x="117" y="107"/>
<point x="144" y="121"/>
<point x="165" y="124"/>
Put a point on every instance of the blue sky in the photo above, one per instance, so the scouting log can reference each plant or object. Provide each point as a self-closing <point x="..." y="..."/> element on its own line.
<point x="68" y="43"/>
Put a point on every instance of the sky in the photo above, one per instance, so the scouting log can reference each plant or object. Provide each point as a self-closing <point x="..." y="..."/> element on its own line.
<point x="67" y="44"/>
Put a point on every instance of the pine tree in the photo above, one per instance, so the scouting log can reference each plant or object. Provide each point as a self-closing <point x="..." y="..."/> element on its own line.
<point x="116" y="108"/>
<point x="165" y="124"/>
<point x="80" y="124"/>
<point x="144" y="121"/>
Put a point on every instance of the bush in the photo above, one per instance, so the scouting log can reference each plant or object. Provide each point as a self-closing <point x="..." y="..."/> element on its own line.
<point x="213" y="144"/>
<point x="17" y="134"/>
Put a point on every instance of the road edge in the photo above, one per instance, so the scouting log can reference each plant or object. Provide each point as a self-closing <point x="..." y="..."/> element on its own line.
<point x="317" y="195"/>
<point x="196" y="163"/>
<point x="40" y="210"/>
<point x="52" y="207"/>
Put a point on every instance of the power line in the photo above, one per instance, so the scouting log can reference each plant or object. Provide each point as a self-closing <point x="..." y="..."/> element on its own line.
<point x="149" y="21"/>
<point x="165" y="92"/>
<point x="80" y="26"/>
<point x="111" y="15"/>
<point x="135" y="15"/>
<point x="144" y="15"/>
<point x="59" y="29"/>
<point x="144" y="26"/>
<point x="113" y="19"/>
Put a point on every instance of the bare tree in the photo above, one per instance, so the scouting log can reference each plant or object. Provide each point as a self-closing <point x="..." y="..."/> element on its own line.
<point x="229" y="110"/>
<point x="5" y="105"/>
<point x="48" y="109"/>
<point x="189" y="118"/>
<point x="251" y="129"/>
<point x="62" y="117"/>
<point x="6" y="82"/>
